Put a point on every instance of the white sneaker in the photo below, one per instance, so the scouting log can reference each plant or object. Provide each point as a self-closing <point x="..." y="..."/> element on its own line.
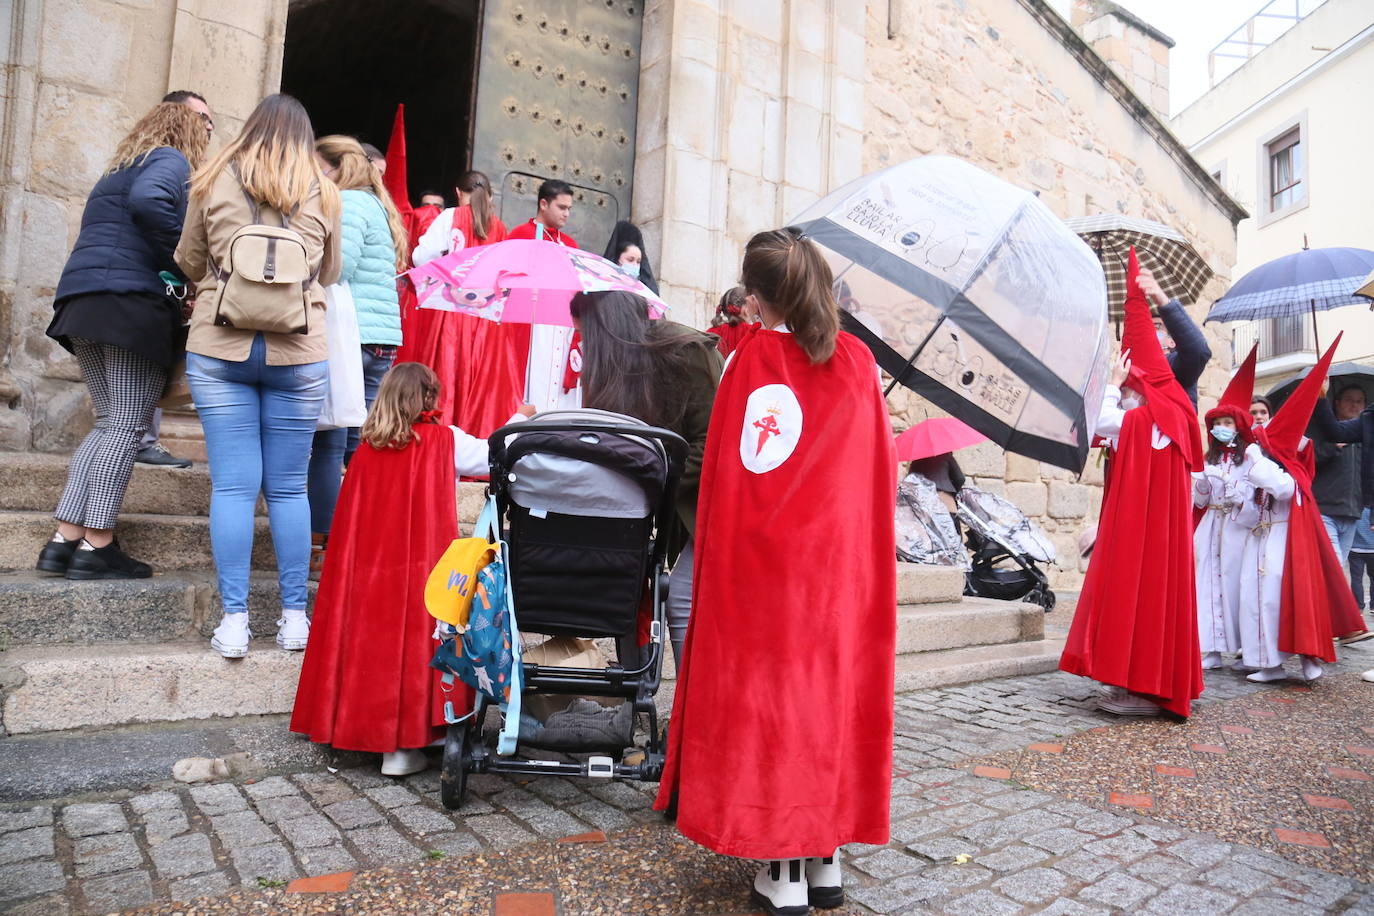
<point x="1311" y="668"/>
<point x="231" y="636"/>
<point x="1122" y="702"/>
<point x="404" y="762"/>
<point x="824" y="882"/>
<point x="780" y="888"/>
<point x="1368" y="676"/>
<point x="293" y="629"/>
<point x="1266" y="675"/>
<point x="1211" y="660"/>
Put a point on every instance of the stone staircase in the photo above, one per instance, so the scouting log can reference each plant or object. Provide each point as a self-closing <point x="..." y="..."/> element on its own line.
<point x="83" y="655"/>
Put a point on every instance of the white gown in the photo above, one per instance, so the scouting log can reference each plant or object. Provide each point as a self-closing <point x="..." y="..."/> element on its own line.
<point x="1218" y="544"/>
<point x="1261" y="576"/>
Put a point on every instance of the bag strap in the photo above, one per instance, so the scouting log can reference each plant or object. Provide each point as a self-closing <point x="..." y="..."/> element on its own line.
<point x="486" y="522"/>
<point x="509" y="738"/>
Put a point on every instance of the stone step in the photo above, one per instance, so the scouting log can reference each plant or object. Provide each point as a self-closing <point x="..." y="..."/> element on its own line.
<point x="169" y="606"/>
<point x="945" y="667"/>
<point x="918" y="583"/>
<point x="970" y="622"/>
<point x="49" y="688"/>
<point x="181" y="434"/>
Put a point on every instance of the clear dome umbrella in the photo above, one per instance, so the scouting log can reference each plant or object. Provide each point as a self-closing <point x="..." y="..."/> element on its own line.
<point x="972" y="293"/>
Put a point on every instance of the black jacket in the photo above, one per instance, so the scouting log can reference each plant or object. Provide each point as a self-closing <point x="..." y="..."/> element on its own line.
<point x="1361" y="430"/>
<point x="1191" y="353"/>
<point x="1337" y="483"/>
<point x="129" y="229"/>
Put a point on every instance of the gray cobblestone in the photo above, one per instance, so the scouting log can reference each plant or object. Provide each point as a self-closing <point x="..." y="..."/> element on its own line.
<point x="271" y="787"/>
<point x="117" y="892"/>
<point x="326" y="860"/>
<point x="33" y="843"/>
<point x="957" y="876"/>
<point x="24" y="818"/>
<point x="941" y="848"/>
<point x="1190" y="900"/>
<point x="557" y="790"/>
<point x="162" y="824"/>
<point x="1200" y="852"/>
<point x="915" y="828"/>
<point x="284" y="807"/>
<point x="1161" y="870"/>
<point x="601" y="815"/>
<point x="365" y="777"/>
<point x="454" y="844"/>
<point x="1127" y="847"/>
<point x="242" y="828"/>
<point x="887" y="863"/>
<point x="1033" y="885"/>
<point x="1118" y="891"/>
<point x="617" y="793"/>
<point x="270" y="861"/>
<point x="218" y="798"/>
<point x="207" y="885"/>
<point x="183" y="856"/>
<point x="980" y="903"/>
<point x="154" y="801"/>
<point x="962" y="815"/>
<point x="1085" y="866"/>
<point x="51" y="905"/>
<point x="28" y="879"/>
<point x="356" y="812"/>
<point x="1073" y="908"/>
<point x="423" y="820"/>
<point x="1008" y="829"/>
<point x="1237" y="878"/>
<point x="1158" y="833"/>
<point x="1103" y="823"/>
<point x="1059" y="840"/>
<point x="499" y="830"/>
<point x="553" y="824"/>
<point x="1315" y="888"/>
<point x="897" y="895"/>
<point x="1012" y="858"/>
<point x="1281" y="906"/>
<point x="311" y="830"/>
<point x="383" y="845"/>
<point x="1017" y="801"/>
<point x="325" y="789"/>
<point x="392" y="796"/>
<point x="105" y="854"/>
<point x="92" y="819"/>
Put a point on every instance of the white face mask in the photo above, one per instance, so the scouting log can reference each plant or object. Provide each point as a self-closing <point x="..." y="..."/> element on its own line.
<point x="1130" y="403"/>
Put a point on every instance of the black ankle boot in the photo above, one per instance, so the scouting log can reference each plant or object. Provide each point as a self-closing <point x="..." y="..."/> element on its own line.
<point x="108" y="562"/>
<point x="56" y="555"/>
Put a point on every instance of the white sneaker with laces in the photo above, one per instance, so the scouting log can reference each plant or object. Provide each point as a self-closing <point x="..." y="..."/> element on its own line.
<point x="293" y="629"/>
<point x="824" y="882"/>
<point x="780" y="888"/>
<point x="231" y="637"/>
<point x="404" y="762"/>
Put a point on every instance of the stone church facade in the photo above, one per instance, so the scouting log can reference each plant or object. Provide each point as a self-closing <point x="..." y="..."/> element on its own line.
<point x="702" y="120"/>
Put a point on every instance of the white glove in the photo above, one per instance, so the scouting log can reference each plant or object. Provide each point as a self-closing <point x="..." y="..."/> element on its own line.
<point x="1253" y="452"/>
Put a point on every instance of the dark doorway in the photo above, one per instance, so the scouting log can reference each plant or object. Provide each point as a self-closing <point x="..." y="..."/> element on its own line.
<point x="351" y="61"/>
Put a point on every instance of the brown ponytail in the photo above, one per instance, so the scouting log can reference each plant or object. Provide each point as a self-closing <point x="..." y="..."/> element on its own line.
<point x="788" y="272"/>
<point x="479" y="186"/>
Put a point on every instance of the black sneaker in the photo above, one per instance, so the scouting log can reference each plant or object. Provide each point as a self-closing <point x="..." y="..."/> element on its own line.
<point x="155" y="454"/>
<point x="108" y="562"/>
<point x="56" y="555"/>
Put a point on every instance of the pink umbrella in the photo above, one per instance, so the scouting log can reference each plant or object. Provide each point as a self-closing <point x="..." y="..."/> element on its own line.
<point x="521" y="281"/>
<point x="936" y="437"/>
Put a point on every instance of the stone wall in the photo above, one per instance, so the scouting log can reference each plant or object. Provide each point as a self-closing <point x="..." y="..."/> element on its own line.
<point x="988" y="81"/>
<point x="78" y="74"/>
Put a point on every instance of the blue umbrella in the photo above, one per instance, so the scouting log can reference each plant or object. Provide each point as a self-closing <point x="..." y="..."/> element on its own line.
<point x="1308" y="281"/>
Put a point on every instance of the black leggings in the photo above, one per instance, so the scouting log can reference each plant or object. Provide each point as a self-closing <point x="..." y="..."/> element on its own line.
<point x="1361" y="565"/>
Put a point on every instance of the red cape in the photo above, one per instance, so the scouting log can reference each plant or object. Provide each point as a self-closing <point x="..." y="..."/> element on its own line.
<point x="528" y="230"/>
<point x="781" y="737"/>
<point x="730" y="335"/>
<point x="481" y="364"/>
<point x="366" y="684"/>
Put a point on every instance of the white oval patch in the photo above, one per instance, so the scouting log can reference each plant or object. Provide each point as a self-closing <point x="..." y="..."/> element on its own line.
<point x="772" y="428"/>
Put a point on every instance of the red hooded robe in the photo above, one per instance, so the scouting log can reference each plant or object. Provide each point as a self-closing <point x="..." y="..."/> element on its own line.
<point x="1316" y="601"/>
<point x="366" y="684"/>
<point x="781" y="738"/>
<point x="1136" y="623"/>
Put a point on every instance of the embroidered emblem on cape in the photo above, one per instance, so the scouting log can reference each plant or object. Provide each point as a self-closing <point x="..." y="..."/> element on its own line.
<point x="772" y="428"/>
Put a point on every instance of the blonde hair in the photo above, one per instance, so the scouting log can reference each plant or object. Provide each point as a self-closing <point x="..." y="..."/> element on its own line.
<point x="407" y="391"/>
<point x="789" y="273"/>
<point x="167" y="124"/>
<point x="356" y="172"/>
<point x="275" y="158"/>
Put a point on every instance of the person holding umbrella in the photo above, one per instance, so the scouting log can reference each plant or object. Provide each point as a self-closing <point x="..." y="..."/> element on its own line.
<point x="1184" y="344"/>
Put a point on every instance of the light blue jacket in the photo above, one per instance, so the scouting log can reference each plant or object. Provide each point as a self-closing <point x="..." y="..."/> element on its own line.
<point x="369" y="266"/>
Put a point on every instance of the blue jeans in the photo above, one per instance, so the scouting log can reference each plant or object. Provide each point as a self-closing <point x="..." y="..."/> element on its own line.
<point x="258" y="422"/>
<point x="1341" y="530"/>
<point x="326" y="475"/>
<point x="374" y="367"/>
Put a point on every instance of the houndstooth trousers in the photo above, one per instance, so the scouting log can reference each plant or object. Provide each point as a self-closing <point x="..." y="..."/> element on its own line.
<point x="124" y="389"/>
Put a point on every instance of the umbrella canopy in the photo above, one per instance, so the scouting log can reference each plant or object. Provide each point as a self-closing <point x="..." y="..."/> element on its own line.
<point x="973" y="294"/>
<point x="1341" y="374"/>
<point x="1160" y="249"/>
<point x="1367" y="289"/>
<point x="521" y="281"/>
<point x="936" y="437"/>
<point x="1311" y="280"/>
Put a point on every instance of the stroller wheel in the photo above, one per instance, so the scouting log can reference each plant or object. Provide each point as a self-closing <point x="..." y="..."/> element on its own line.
<point x="453" y="777"/>
<point x="1048" y="601"/>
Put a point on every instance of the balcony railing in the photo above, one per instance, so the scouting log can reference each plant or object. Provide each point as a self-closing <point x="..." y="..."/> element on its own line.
<point x="1277" y="337"/>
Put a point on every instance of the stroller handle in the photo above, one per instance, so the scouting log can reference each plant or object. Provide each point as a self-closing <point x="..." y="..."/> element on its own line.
<point x="673" y="445"/>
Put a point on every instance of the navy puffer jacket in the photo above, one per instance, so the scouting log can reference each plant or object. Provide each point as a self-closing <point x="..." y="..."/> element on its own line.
<point x="130" y="228"/>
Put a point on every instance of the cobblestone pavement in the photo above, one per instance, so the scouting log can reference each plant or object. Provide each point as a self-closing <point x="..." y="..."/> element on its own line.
<point x="961" y="842"/>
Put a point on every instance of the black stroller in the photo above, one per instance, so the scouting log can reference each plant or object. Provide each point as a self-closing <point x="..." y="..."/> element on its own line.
<point x="585" y="502"/>
<point x="1007" y="548"/>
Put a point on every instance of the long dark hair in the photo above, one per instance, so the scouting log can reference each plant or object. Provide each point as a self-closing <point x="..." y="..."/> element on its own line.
<point x="632" y="364"/>
<point x="788" y="272"/>
<point x="479" y="187"/>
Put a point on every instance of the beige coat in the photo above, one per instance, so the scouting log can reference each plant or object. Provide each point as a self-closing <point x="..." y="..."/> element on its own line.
<point x="210" y="222"/>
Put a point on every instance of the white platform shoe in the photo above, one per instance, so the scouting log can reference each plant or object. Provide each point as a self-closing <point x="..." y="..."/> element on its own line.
<point x="825" y="882"/>
<point x="780" y="888"/>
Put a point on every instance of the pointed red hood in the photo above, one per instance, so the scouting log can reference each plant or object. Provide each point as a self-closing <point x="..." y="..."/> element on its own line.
<point x="395" y="179"/>
<point x="1235" y="400"/>
<point x="1281" y="435"/>
<point x="1169" y="405"/>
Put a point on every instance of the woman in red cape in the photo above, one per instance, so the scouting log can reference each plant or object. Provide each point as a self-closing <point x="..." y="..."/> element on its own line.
<point x="366" y="684"/>
<point x="1136" y="628"/>
<point x="780" y="746"/>
<point x="468" y="353"/>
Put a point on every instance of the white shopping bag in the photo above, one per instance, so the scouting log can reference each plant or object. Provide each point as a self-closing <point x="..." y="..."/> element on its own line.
<point x="343" y="403"/>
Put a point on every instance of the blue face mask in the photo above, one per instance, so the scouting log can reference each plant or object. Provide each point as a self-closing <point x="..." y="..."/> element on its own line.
<point x="1223" y="434"/>
<point x="631" y="268"/>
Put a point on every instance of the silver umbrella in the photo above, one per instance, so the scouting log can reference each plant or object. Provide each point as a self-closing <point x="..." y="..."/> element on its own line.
<point x="969" y="291"/>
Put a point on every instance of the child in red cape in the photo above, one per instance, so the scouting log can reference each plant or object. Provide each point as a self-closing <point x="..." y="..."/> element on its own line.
<point x="1136" y="627"/>
<point x="366" y="684"/>
<point x="780" y="746"/>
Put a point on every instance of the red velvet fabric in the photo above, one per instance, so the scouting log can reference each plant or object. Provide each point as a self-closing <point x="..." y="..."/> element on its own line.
<point x="1136" y="623"/>
<point x="730" y="335"/>
<point x="529" y="230"/>
<point x="781" y="738"/>
<point x="366" y="684"/>
<point x="1316" y="603"/>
